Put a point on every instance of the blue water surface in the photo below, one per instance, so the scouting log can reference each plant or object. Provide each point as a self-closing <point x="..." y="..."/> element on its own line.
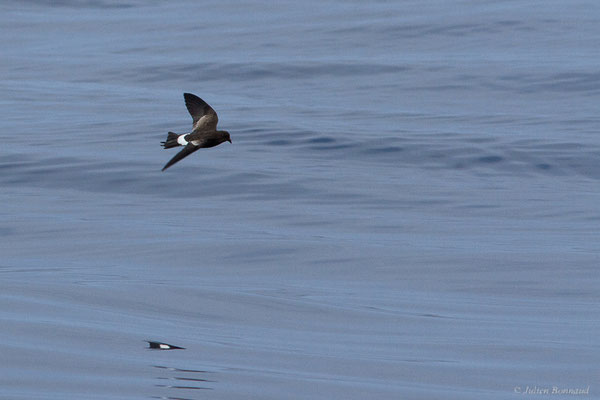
<point x="409" y="208"/>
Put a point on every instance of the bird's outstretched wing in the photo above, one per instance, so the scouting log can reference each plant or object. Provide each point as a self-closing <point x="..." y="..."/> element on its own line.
<point x="187" y="150"/>
<point x="205" y="118"/>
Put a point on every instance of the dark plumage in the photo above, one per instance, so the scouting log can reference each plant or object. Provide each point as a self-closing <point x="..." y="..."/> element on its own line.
<point x="162" y="346"/>
<point x="204" y="132"/>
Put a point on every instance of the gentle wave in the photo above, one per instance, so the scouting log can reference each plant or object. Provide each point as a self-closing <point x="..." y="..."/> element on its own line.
<point x="214" y="175"/>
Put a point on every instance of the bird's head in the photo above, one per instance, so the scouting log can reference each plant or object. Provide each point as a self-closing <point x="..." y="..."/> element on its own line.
<point x="226" y="137"/>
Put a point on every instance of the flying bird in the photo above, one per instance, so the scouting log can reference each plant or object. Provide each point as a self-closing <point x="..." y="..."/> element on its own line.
<point x="204" y="132"/>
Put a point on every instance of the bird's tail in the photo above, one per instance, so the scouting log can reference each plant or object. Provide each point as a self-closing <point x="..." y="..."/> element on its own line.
<point x="171" y="140"/>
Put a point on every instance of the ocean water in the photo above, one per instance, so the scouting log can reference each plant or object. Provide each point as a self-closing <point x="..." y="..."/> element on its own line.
<point x="409" y="208"/>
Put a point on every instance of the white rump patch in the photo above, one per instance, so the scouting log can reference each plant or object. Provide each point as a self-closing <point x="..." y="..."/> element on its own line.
<point x="162" y="345"/>
<point x="181" y="139"/>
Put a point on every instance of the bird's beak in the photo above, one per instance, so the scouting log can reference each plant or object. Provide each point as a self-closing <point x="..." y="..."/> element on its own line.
<point x="229" y="140"/>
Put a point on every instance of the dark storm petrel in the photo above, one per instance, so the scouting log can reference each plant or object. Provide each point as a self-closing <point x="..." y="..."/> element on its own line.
<point x="203" y="134"/>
